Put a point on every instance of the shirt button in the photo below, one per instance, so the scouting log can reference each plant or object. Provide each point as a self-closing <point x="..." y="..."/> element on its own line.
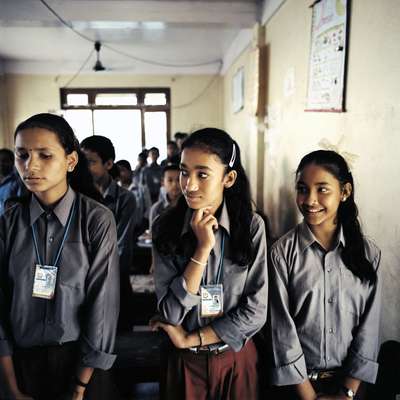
<point x="48" y="216"/>
<point x="329" y="270"/>
<point x="330" y="300"/>
<point x="51" y="239"/>
<point x="329" y="359"/>
<point x="331" y="330"/>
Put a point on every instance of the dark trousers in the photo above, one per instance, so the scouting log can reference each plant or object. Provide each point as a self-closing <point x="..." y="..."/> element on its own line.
<point x="228" y="375"/>
<point x="46" y="373"/>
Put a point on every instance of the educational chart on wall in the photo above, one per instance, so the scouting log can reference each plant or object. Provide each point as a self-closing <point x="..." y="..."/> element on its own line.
<point x="327" y="56"/>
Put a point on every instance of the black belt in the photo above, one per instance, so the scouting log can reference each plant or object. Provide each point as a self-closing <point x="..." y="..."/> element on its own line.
<point x="210" y="349"/>
<point x="317" y="375"/>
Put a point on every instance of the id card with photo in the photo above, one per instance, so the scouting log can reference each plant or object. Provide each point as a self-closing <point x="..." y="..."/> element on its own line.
<point x="44" y="284"/>
<point x="212" y="300"/>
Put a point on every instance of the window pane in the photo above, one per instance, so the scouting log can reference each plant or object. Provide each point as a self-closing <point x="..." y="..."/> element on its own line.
<point x="155" y="126"/>
<point x="77" y="99"/>
<point x="116" y="99"/>
<point x="155" y="99"/>
<point x="123" y="128"/>
<point x="81" y="122"/>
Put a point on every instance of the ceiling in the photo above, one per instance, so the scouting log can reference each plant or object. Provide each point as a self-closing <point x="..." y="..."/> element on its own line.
<point x="177" y="36"/>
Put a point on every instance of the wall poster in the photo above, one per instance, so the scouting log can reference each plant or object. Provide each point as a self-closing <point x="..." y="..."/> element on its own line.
<point x="326" y="77"/>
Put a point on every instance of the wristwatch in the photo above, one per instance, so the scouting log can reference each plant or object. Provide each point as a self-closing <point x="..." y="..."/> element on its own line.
<point x="348" y="392"/>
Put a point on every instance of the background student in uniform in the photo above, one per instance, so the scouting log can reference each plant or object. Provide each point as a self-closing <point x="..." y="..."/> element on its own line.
<point x="100" y="154"/>
<point x="325" y="292"/>
<point x="152" y="175"/>
<point x="59" y="271"/>
<point x="211" y="245"/>
<point x="10" y="183"/>
<point x="170" y="194"/>
<point x="141" y="192"/>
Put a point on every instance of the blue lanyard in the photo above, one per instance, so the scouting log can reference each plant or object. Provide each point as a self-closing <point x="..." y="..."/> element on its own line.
<point x="221" y="260"/>
<point x="71" y="214"/>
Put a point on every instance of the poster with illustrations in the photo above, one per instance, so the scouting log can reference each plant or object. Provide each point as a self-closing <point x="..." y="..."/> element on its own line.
<point x="327" y="56"/>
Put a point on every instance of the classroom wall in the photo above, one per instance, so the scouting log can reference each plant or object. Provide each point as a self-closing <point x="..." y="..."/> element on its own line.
<point x="368" y="130"/>
<point x="243" y="125"/>
<point x="30" y="94"/>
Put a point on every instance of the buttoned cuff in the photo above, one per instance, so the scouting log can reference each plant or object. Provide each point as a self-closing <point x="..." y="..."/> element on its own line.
<point x="229" y="333"/>
<point x="361" y="368"/>
<point x="95" y="358"/>
<point x="290" y="374"/>
<point x="6" y="348"/>
<point x="187" y="299"/>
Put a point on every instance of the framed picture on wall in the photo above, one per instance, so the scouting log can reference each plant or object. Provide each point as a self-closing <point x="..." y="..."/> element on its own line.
<point x="327" y="64"/>
<point x="238" y="90"/>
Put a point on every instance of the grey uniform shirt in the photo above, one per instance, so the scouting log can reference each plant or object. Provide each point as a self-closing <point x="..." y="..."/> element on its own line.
<point x="245" y="288"/>
<point x="157" y="208"/>
<point x="122" y="203"/>
<point x="86" y="302"/>
<point x="322" y="316"/>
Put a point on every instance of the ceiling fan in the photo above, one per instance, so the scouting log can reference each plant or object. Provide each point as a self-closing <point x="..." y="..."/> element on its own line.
<point x="98" y="66"/>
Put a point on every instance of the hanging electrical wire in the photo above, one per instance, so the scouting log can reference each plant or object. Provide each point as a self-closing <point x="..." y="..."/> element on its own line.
<point x="80" y="69"/>
<point x="210" y="83"/>
<point x="121" y="52"/>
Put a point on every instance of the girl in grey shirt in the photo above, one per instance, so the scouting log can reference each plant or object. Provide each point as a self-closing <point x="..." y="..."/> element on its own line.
<point x="211" y="274"/>
<point x="324" y="290"/>
<point x="59" y="283"/>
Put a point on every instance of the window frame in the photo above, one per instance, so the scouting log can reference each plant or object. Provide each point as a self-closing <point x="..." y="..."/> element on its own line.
<point x="140" y="94"/>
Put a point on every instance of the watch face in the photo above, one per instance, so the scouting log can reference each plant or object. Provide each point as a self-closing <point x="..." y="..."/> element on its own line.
<point x="348" y="392"/>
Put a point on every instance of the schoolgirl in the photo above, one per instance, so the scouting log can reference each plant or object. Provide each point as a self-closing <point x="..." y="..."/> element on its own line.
<point x="59" y="272"/>
<point x="211" y="274"/>
<point x="325" y="290"/>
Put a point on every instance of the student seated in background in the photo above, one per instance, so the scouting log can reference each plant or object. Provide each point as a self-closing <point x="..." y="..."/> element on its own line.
<point x="10" y="183"/>
<point x="152" y="175"/>
<point x="325" y="290"/>
<point x="172" y="154"/>
<point x="171" y="193"/>
<point x="141" y="192"/>
<point x="100" y="154"/>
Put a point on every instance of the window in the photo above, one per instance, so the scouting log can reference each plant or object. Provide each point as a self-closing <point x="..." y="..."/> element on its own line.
<point x="132" y="118"/>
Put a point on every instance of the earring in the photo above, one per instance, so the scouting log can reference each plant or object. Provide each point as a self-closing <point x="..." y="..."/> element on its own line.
<point x="344" y="198"/>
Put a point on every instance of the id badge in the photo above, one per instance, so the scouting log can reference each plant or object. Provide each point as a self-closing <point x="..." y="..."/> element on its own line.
<point x="212" y="298"/>
<point x="44" y="284"/>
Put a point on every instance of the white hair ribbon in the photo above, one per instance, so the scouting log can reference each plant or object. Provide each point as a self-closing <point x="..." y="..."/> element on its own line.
<point x="350" y="158"/>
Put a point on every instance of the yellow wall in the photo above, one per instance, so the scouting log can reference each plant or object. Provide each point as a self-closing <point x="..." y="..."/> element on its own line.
<point x="242" y="125"/>
<point x="30" y="94"/>
<point x="370" y="127"/>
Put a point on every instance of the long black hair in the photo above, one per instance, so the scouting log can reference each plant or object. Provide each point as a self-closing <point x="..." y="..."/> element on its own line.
<point x="80" y="178"/>
<point x="167" y="228"/>
<point x="353" y="254"/>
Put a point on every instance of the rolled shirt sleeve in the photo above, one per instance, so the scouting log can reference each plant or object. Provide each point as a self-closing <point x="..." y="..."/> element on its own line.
<point x="98" y="332"/>
<point x="248" y="317"/>
<point x="361" y="359"/>
<point x="174" y="300"/>
<point x="289" y="365"/>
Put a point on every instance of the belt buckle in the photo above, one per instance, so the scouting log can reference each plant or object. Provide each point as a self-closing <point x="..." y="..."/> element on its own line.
<point x="313" y="376"/>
